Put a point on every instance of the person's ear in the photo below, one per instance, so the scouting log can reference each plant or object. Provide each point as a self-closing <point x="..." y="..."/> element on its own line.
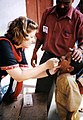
<point x="70" y="69"/>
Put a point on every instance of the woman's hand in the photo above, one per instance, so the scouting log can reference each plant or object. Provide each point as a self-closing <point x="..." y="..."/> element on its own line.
<point x="52" y="63"/>
<point x="54" y="70"/>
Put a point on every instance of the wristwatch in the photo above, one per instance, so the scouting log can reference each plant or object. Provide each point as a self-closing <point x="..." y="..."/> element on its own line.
<point x="81" y="48"/>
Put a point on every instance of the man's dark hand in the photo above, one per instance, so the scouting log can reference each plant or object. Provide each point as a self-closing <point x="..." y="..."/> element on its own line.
<point x="34" y="59"/>
<point x="76" y="54"/>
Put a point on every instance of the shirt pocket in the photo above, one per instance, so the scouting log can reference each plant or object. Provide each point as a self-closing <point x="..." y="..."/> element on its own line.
<point x="68" y="38"/>
<point x="67" y="34"/>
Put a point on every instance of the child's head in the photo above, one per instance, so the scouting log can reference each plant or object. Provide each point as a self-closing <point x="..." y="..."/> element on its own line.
<point x="19" y="29"/>
<point x="65" y="64"/>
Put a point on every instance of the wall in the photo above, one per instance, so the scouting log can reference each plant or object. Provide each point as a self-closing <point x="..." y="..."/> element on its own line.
<point x="9" y="10"/>
<point x="35" y="8"/>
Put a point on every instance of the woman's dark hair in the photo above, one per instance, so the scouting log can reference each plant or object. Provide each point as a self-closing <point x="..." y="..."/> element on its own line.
<point x="19" y="28"/>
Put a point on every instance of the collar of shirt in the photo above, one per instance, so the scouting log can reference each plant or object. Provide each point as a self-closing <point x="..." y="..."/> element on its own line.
<point x="69" y="13"/>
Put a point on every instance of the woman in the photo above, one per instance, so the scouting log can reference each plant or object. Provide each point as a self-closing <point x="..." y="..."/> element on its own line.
<point x="20" y="35"/>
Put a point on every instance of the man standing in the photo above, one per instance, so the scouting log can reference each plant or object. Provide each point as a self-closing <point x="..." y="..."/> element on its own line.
<point x="61" y="26"/>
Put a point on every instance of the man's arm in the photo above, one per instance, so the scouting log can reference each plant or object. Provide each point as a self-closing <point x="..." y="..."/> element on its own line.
<point x="34" y="56"/>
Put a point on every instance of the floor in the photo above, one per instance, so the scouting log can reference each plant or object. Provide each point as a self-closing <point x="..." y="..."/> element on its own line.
<point x="53" y="114"/>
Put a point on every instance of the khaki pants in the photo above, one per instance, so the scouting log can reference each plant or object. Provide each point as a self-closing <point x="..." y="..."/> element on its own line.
<point x="67" y="96"/>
